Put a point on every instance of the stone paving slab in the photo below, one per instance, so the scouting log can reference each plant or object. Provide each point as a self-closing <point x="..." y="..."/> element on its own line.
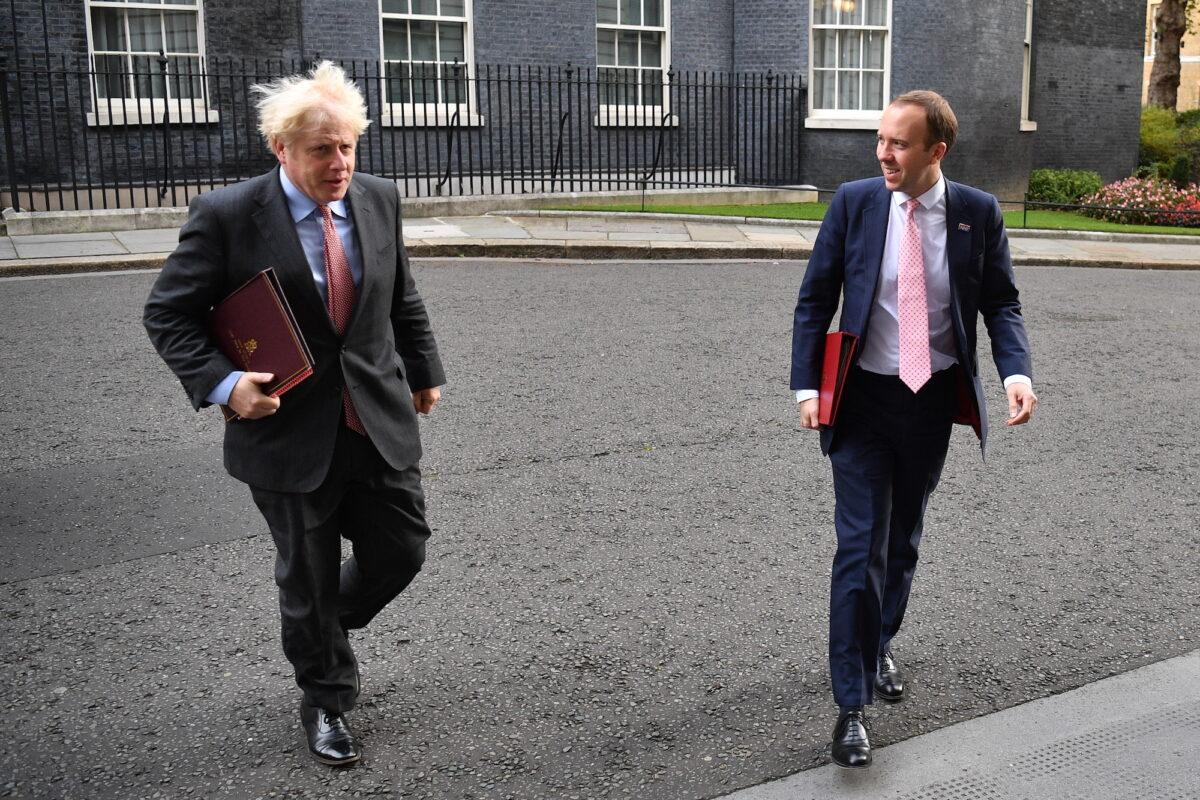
<point x="7" y="250"/>
<point x="1136" y="735"/>
<point x="712" y="232"/>
<point x="71" y="247"/>
<point x="50" y="238"/>
<point x="151" y="240"/>
<point x="648" y="236"/>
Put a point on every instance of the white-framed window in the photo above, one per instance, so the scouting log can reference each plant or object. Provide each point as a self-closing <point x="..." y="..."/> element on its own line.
<point x="1151" y="30"/>
<point x="850" y="54"/>
<point x="1026" y="69"/>
<point x="125" y="39"/>
<point x="428" y="60"/>
<point x="633" y="47"/>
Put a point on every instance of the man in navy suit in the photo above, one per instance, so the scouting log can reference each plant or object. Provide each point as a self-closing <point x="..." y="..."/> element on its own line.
<point x="915" y="259"/>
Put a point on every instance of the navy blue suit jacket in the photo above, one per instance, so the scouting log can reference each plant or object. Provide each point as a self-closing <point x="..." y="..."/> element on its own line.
<point x="846" y="261"/>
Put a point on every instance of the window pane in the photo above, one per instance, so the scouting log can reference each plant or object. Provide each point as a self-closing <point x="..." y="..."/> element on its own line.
<point x="145" y="31"/>
<point x="606" y="48"/>
<point x="627" y="48"/>
<point x="823" y="12"/>
<point x="873" y="49"/>
<point x="424" y="83"/>
<point x="453" y="8"/>
<point x="651" y="49"/>
<point x="608" y="79"/>
<point x="454" y="89"/>
<point x="606" y="11"/>
<point x="108" y="29"/>
<point x="395" y="39"/>
<point x="850" y="50"/>
<point x="824" y="86"/>
<point x="848" y="89"/>
<point x="652" y="87"/>
<point x="424" y="7"/>
<point x="148" y="78"/>
<point x="451" y="41"/>
<point x="653" y="9"/>
<point x="876" y="12"/>
<point x="185" y="77"/>
<point x="631" y="12"/>
<point x="181" y="32"/>
<point x="824" y="48"/>
<point x="109" y="79"/>
<point x="424" y="40"/>
<point x="395" y="6"/>
<point x="872" y="99"/>
<point x="852" y="12"/>
<point x="398" y="84"/>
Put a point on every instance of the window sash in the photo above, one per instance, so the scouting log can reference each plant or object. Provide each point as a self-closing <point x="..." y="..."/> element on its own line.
<point x="633" y="83"/>
<point x="127" y="75"/>
<point x="429" y="80"/>
<point x="849" y="59"/>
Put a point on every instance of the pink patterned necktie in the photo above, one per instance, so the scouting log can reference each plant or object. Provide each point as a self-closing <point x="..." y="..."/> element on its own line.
<point x="914" y="314"/>
<point x="339" y="286"/>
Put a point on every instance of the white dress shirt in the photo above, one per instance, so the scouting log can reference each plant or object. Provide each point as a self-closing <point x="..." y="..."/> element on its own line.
<point x="881" y="353"/>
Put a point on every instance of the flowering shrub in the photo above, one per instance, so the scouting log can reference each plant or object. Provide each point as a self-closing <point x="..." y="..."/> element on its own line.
<point x="1144" y="201"/>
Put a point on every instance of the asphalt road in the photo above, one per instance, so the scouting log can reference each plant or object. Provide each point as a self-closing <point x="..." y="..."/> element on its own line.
<point x="627" y="585"/>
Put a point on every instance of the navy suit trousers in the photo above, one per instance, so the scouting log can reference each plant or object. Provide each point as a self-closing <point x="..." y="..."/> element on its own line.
<point x="887" y="455"/>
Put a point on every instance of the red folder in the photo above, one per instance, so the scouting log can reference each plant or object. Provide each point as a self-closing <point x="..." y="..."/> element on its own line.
<point x="255" y="328"/>
<point x="835" y="366"/>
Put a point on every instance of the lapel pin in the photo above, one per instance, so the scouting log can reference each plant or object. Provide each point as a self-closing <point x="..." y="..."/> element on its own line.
<point x="962" y="226"/>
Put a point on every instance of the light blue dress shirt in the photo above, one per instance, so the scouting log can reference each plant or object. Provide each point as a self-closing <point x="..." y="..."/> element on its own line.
<point x="310" y="227"/>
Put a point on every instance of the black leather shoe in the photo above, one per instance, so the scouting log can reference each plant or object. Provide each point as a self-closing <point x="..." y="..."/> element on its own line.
<point x="851" y="747"/>
<point x="329" y="738"/>
<point x="889" y="683"/>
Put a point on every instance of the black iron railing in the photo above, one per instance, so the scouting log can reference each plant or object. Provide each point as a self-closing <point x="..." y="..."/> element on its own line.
<point x="77" y="138"/>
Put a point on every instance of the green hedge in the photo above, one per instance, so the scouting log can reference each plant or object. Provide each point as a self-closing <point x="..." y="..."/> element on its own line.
<point x="1065" y="186"/>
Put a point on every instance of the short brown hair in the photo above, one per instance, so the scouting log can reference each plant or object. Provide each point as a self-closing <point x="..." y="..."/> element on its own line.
<point x="940" y="123"/>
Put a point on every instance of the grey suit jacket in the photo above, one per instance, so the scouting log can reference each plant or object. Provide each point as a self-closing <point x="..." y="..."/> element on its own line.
<point x="387" y="352"/>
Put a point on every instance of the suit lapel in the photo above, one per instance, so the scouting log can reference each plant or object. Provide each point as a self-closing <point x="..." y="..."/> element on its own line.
<point x="366" y="230"/>
<point x="275" y="225"/>
<point x="875" y="223"/>
<point x="958" y="240"/>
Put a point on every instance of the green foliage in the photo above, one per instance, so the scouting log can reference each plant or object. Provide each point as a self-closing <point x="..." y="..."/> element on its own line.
<point x="1159" y="136"/>
<point x="1188" y="119"/>
<point x="1065" y="186"/>
<point x="1180" y="172"/>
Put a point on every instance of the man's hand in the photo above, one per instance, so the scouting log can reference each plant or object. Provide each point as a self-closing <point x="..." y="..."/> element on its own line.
<point x="1021" y="403"/>
<point x="808" y="414"/>
<point x="248" y="400"/>
<point x="426" y="399"/>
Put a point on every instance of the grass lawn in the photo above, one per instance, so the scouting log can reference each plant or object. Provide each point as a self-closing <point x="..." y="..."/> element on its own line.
<point x="1052" y="220"/>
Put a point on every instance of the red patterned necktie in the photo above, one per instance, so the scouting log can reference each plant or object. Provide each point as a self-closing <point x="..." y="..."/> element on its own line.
<point x="911" y="305"/>
<point x="339" y="287"/>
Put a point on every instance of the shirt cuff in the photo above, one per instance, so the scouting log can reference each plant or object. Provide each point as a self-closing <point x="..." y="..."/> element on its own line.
<point x="220" y="394"/>
<point x="1011" y="379"/>
<point x="806" y="394"/>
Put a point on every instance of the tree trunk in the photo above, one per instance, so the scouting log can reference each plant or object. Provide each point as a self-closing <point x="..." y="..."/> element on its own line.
<point x="1170" y="22"/>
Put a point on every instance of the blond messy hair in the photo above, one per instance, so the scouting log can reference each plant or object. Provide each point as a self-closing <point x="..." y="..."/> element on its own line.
<point x="295" y="104"/>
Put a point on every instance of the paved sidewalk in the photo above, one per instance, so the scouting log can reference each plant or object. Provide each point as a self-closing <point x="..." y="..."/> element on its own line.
<point x="1131" y="737"/>
<point x="580" y="235"/>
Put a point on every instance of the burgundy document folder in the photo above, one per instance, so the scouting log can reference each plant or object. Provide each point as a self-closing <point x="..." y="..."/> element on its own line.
<point x="835" y="366"/>
<point x="255" y="329"/>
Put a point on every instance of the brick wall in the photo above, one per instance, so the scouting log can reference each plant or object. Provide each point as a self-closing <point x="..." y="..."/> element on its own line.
<point x="1086" y="95"/>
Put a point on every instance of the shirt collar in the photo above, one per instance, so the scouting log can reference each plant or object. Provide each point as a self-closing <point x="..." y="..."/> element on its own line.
<point x="929" y="199"/>
<point x="300" y="204"/>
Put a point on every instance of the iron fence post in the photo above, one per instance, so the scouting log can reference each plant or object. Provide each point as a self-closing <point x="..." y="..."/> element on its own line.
<point x="168" y="170"/>
<point x="9" y="152"/>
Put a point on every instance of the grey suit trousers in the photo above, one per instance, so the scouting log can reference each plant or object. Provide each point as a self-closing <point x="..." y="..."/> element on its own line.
<point x="381" y="511"/>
